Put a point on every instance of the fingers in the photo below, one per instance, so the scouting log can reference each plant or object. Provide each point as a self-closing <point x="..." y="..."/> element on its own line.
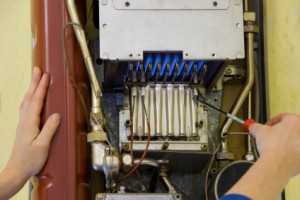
<point x="276" y="119"/>
<point x="256" y="129"/>
<point x="39" y="95"/>
<point x="36" y="76"/>
<point x="48" y="130"/>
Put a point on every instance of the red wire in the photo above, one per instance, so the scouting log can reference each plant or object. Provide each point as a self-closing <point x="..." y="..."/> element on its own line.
<point x="131" y="151"/>
<point x="133" y="164"/>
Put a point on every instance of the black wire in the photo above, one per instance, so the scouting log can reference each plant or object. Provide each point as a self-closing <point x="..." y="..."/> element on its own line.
<point x="211" y="106"/>
<point x="73" y="83"/>
<point x="89" y="15"/>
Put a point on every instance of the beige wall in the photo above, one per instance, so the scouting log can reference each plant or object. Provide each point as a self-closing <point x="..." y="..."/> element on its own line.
<point x="15" y="67"/>
<point x="283" y="28"/>
<point x="283" y="33"/>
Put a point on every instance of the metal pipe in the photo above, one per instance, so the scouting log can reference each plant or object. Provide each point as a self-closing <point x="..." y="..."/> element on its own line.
<point x="168" y="184"/>
<point x="147" y="161"/>
<point x="246" y="5"/>
<point x="96" y="115"/>
<point x="245" y="91"/>
<point x="256" y="111"/>
<point x="257" y="95"/>
<point x="80" y="35"/>
<point x="249" y="116"/>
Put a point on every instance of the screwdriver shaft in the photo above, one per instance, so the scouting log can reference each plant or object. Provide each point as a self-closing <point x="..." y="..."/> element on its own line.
<point x="233" y="117"/>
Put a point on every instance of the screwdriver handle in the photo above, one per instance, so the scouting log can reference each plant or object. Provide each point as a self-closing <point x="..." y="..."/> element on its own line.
<point x="248" y="123"/>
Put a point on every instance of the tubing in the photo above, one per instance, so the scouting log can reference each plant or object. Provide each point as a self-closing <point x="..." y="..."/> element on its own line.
<point x="246" y="89"/>
<point x="80" y="35"/>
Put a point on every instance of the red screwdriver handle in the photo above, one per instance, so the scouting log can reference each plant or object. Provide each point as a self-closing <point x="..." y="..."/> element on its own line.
<point x="247" y="123"/>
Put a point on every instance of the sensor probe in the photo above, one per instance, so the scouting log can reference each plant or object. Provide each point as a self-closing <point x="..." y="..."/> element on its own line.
<point x="246" y="123"/>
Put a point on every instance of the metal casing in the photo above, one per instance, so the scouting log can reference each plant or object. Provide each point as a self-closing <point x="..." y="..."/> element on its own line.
<point x="128" y="196"/>
<point x="65" y="175"/>
<point x="202" y="30"/>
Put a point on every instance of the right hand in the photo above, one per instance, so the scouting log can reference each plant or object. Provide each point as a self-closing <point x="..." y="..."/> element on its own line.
<point x="280" y="139"/>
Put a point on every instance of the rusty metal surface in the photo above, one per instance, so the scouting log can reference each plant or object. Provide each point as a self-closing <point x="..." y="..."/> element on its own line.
<point x="65" y="175"/>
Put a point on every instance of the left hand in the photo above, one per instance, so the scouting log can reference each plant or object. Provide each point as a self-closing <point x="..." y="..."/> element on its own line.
<point x="31" y="144"/>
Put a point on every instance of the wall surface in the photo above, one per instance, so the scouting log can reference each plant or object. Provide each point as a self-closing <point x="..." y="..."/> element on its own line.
<point x="283" y="33"/>
<point x="15" y="70"/>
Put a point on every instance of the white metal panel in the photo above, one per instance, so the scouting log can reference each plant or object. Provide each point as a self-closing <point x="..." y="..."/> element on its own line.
<point x="171" y="4"/>
<point x="201" y="34"/>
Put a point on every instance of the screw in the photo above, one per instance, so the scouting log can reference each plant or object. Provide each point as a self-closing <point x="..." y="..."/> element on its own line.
<point x="127" y="4"/>
<point x="127" y="123"/>
<point x="99" y="196"/>
<point x="203" y="147"/>
<point x="165" y="146"/>
<point x="99" y="61"/>
<point x="228" y="71"/>
<point x="215" y="3"/>
<point x="213" y="171"/>
<point x="125" y="147"/>
<point x="201" y="123"/>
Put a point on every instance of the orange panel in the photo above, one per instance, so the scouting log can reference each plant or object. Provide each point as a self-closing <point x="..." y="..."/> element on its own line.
<point x="65" y="175"/>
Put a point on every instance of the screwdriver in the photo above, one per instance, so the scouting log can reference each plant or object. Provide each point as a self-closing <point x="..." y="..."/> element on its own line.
<point x="246" y="123"/>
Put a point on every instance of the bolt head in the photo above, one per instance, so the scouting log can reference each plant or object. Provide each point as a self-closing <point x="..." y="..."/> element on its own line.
<point x="204" y="147"/>
<point x="249" y="157"/>
<point x="126" y="159"/>
<point x="99" y="196"/>
<point x="126" y="147"/>
<point x="249" y="16"/>
<point x="228" y="71"/>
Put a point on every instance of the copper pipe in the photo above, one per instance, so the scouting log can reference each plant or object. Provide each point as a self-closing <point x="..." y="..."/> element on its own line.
<point x="246" y="5"/>
<point x="249" y="154"/>
<point x="80" y="35"/>
<point x="246" y="89"/>
<point x="96" y="115"/>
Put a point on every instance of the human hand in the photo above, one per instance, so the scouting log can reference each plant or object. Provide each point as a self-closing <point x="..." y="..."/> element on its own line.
<point x="278" y="143"/>
<point x="31" y="146"/>
<point x="279" y="139"/>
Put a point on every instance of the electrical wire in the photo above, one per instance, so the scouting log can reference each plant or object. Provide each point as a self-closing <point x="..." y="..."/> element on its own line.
<point x="132" y="157"/>
<point x="73" y="83"/>
<point x="107" y="127"/>
<point x="131" y="144"/>
<point x="144" y="153"/>
<point x="89" y="15"/>
<point x="215" y="150"/>
<point x="133" y="164"/>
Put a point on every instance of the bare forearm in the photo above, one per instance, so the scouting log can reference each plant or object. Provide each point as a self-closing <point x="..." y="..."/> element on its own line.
<point x="11" y="181"/>
<point x="265" y="180"/>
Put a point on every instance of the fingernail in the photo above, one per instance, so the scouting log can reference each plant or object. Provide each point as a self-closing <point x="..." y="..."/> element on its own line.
<point x="35" y="70"/>
<point x="55" y="118"/>
<point x="44" y="76"/>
